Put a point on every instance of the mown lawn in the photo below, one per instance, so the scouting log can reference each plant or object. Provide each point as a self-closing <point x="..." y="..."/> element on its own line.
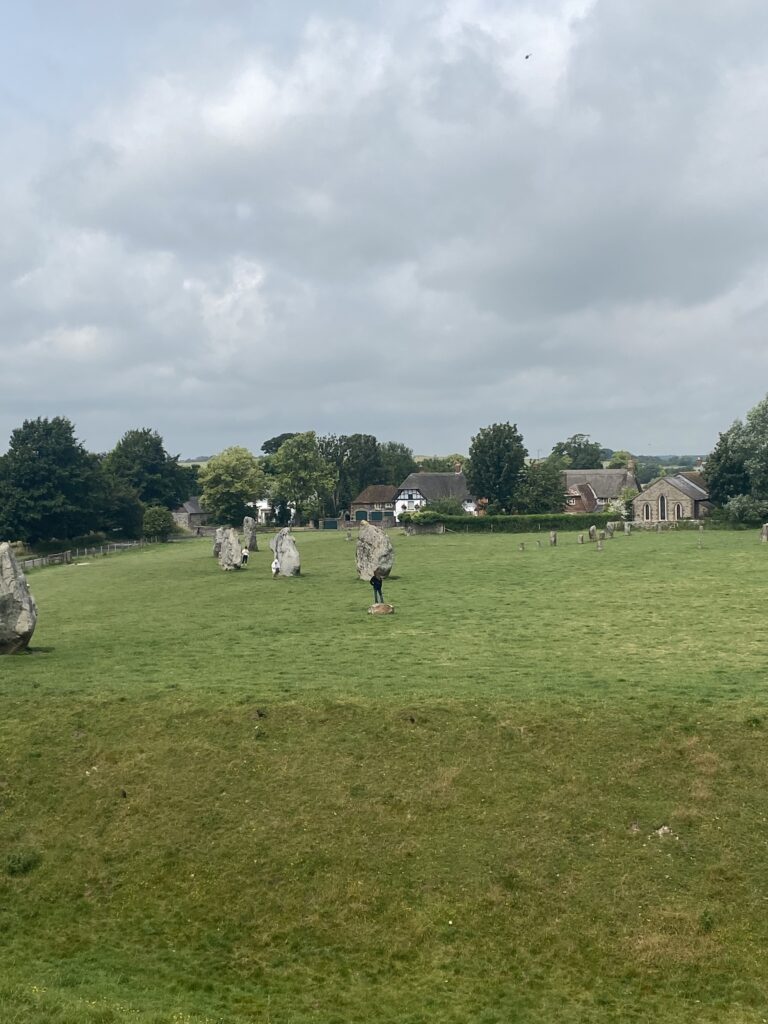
<point x="536" y="793"/>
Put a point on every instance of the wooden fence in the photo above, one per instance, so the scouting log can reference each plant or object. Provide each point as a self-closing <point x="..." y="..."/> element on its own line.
<point x="66" y="557"/>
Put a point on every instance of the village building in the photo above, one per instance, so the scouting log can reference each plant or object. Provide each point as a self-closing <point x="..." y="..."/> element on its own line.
<point x="190" y="515"/>
<point x="590" y="490"/>
<point x="375" y="504"/>
<point x="672" y="499"/>
<point x="419" y="489"/>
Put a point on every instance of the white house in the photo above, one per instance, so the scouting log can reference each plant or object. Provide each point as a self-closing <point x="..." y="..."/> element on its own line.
<point x="419" y="489"/>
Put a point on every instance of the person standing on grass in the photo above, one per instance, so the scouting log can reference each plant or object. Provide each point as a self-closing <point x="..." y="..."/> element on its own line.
<point x="275" y="568"/>
<point x="376" y="584"/>
<point x="244" y="556"/>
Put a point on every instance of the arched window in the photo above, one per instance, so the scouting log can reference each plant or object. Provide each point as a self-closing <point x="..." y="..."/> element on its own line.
<point x="678" y="511"/>
<point x="662" y="508"/>
<point x="647" y="512"/>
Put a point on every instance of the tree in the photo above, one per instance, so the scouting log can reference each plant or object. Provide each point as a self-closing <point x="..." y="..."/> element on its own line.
<point x="441" y="463"/>
<point x="140" y="460"/>
<point x="583" y="453"/>
<point x="726" y="470"/>
<point x="542" y="487"/>
<point x="301" y="473"/>
<point x="620" y="459"/>
<point x="356" y="462"/>
<point x="496" y="459"/>
<point x="272" y="444"/>
<point x="448" y="506"/>
<point x="50" y="485"/>
<point x="229" y="481"/>
<point x="158" y="523"/>
<point x="397" y="462"/>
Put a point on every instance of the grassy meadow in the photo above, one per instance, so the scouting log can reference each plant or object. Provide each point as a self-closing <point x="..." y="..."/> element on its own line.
<point x="535" y="793"/>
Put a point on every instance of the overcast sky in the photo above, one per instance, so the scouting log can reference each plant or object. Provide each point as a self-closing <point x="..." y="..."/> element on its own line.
<point x="226" y="220"/>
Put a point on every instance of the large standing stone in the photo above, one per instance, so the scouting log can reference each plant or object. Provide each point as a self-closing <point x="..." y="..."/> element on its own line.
<point x="231" y="554"/>
<point x="218" y="540"/>
<point x="286" y="552"/>
<point x="249" y="534"/>
<point x="375" y="553"/>
<point x="18" y="611"/>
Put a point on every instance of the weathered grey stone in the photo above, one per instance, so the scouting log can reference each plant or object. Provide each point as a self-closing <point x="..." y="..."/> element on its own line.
<point x="218" y="540"/>
<point x="601" y="534"/>
<point x="592" y="533"/>
<point x="374" y="552"/>
<point x="286" y="552"/>
<point x="628" y="528"/>
<point x="763" y="533"/>
<point x="581" y="538"/>
<point x="553" y="538"/>
<point x="18" y="611"/>
<point x="231" y="553"/>
<point x="609" y="530"/>
<point x="600" y="545"/>
<point x="381" y="609"/>
<point x="250" y="540"/>
<point x="521" y="546"/>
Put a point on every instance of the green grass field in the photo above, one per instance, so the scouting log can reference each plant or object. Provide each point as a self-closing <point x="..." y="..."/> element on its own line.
<point x="225" y="798"/>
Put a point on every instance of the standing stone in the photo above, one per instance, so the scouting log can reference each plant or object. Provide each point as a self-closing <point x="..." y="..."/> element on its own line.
<point x="553" y="538"/>
<point x="218" y="540"/>
<point x="18" y="611"/>
<point x="538" y="544"/>
<point x="628" y="529"/>
<point x="592" y="533"/>
<point x="763" y="533"/>
<point x="601" y="534"/>
<point x="521" y="546"/>
<point x="231" y="553"/>
<point x="581" y="538"/>
<point x="284" y="547"/>
<point x="609" y="530"/>
<point x="374" y="552"/>
<point x="600" y="545"/>
<point x="249" y="534"/>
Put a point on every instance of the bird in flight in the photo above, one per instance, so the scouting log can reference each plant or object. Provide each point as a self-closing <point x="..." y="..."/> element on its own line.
<point x="528" y="55"/>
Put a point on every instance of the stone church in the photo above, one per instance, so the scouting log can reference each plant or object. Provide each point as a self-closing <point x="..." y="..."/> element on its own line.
<point x="673" y="498"/>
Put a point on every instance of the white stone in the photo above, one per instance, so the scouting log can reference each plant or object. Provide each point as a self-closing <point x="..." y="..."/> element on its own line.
<point x="18" y="611"/>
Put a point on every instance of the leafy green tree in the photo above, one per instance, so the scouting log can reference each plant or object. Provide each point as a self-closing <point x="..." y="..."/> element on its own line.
<point x="726" y="469"/>
<point x="50" y="486"/>
<point x="397" y="462"/>
<point x="447" y="506"/>
<point x="496" y="459"/>
<point x="583" y="453"/>
<point x="441" y="463"/>
<point x="620" y="459"/>
<point x="272" y="444"/>
<point x="542" y="488"/>
<point x="356" y="461"/>
<point x="139" y="459"/>
<point x="119" y="508"/>
<point x="302" y="474"/>
<point x="229" y="481"/>
<point x="158" y="523"/>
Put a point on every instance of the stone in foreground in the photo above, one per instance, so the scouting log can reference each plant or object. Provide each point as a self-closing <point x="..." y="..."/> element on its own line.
<point x="18" y="611"/>
<point x="381" y="609"/>
<point x="375" y="553"/>
<point x="230" y="554"/>
<point x="218" y="540"/>
<point x="249" y="534"/>
<point x="286" y="552"/>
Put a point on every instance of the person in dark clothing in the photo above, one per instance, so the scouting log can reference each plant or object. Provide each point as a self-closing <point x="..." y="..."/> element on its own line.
<point x="376" y="584"/>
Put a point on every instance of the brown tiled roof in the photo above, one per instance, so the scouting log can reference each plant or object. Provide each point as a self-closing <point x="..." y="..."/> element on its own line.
<point x="606" y="483"/>
<point x="376" y="494"/>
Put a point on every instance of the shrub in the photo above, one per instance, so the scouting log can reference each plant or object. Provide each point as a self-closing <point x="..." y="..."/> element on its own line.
<point x="158" y="523"/>
<point x="21" y="862"/>
<point x="508" y="524"/>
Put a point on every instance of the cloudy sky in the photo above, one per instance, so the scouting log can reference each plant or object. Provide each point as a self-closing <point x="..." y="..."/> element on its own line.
<point x="226" y="220"/>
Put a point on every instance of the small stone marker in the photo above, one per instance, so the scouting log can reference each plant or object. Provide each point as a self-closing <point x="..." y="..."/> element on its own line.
<point x="609" y="530"/>
<point x="581" y="538"/>
<point x="600" y="545"/>
<point x="627" y="529"/>
<point x="601" y="534"/>
<point x="521" y="546"/>
<point x="553" y="538"/>
<point x="381" y="609"/>
<point x="763" y="533"/>
<point x="592" y="533"/>
<point x="18" y="611"/>
<point x="538" y="543"/>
